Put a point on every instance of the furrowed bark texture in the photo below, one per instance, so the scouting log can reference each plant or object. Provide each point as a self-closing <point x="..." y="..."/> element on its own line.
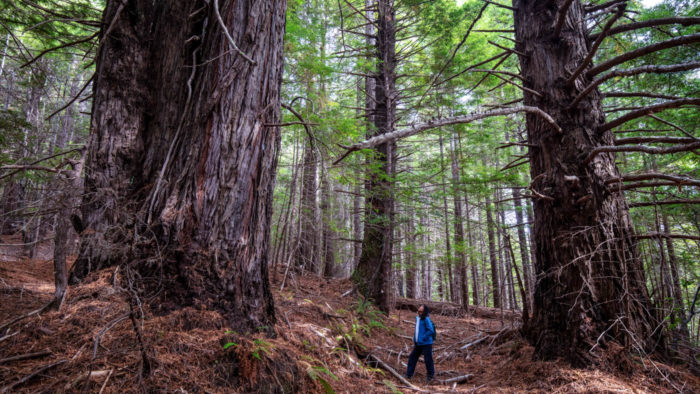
<point x="373" y="274"/>
<point x="589" y="277"/>
<point x="206" y="222"/>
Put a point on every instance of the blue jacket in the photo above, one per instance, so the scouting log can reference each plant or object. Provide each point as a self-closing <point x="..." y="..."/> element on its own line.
<point x="426" y="328"/>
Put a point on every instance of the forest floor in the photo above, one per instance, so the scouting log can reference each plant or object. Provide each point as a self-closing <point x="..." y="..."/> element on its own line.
<point x="187" y="350"/>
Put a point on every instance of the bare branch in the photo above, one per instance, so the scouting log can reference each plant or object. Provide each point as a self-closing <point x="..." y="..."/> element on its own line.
<point x="641" y="148"/>
<point x="681" y="180"/>
<point x="603" y="6"/>
<point x="418" y="128"/>
<point x="646" y="140"/>
<point x="561" y="17"/>
<point x="633" y="71"/>
<point x="228" y="35"/>
<point x="45" y="51"/>
<point x="674" y="42"/>
<point x="681" y="20"/>
<point x="663" y="202"/>
<point x="596" y="44"/>
<point x="667" y="235"/>
<point x="640" y="94"/>
<point x="649" y="110"/>
<point x="499" y="5"/>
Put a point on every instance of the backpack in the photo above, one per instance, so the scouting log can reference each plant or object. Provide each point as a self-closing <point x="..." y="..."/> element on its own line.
<point x="434" y="331"/>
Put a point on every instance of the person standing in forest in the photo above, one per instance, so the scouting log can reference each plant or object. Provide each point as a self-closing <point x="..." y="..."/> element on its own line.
<point x="423" y="337"/>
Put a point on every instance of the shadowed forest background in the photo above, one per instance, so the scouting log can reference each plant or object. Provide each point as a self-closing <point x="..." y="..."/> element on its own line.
<point x="256" y="195"/>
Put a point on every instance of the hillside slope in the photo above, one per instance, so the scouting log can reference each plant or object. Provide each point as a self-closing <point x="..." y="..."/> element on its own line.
<point x="321" y="339"/>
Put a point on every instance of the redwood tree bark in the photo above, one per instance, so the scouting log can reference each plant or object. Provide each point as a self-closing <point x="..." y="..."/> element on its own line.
<point x="373" y="274"/>
<point x="590" y="279"/>
<point x="183" y="149"/>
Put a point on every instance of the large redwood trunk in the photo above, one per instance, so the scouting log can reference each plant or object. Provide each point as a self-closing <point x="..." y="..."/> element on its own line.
<point x="590" y="281"/>
<point x="373" y="274"/>
<point x="181" y="161"/>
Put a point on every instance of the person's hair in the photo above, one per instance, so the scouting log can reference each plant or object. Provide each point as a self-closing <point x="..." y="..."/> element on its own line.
<point x="426" y="310"/>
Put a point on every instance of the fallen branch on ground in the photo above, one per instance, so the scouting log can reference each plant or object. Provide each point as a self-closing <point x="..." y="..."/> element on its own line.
<point x="31" y="375"/>
<point x="25" y="356"/>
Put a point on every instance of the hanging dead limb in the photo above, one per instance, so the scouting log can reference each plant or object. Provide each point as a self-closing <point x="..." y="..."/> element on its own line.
<point x="646" y="140"/>
<point x="594" y="48"/>
<point x="561" y="17"/>
<point x="647" y="111"/>
<point x="681" y="20"/>
<point x="228" y="35"/>
<point x="514" y="75"/>
<point x="663" y="202"/>
<point x="420" y="127"/>
<point x="642" y="148"/>
<point x="667" y="235"/>
<point x="633" y="71"/>
<point x="674" y="42"/>
<point x="523" y="88"/>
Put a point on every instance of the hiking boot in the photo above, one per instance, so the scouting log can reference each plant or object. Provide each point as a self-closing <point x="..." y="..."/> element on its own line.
<point x="429" y="380"/>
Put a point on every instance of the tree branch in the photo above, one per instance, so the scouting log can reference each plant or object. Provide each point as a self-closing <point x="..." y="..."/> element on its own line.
<point x="681" y="20"/>
<point x="674" y="42"/>
<point x="594" y="48"/>
<point x="641" y="148"/>
<point x="561" y="17"/>
<point x="633" y="71"/>
<point x="648" y="110"/>
<point x="666" y="235"/>
<point x="663" y="202"/>
<point x="228" y="35"/>
<point x="646" y="140"/>
<point x="418" y="128"/>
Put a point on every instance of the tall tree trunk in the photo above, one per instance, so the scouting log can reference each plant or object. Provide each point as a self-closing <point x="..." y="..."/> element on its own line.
<point x="373" y="272"/>
<point x="460" y="255"/>
<point x="327" y="226"/>
<point x="182" y="151"/>
<point x="410" y="260"/>
<point x="523" y="241"/>
<point x="493" y="255"/>
<point x="306" y="257"/>
<point x="590" y="279"/>
<point x="448" y="247"/>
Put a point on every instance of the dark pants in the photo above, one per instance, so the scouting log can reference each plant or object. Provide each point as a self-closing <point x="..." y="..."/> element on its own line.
<point x="427" y="352"/>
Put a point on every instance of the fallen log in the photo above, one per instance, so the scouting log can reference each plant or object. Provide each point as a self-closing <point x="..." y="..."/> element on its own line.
<point x="452" y="309"/>
<point x="457" y="379"/>
<point x="372" y="359"/>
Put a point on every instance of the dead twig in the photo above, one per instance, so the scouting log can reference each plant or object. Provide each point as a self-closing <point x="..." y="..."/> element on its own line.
<point x="26" y="356"/>
<point x="31" y="375"/>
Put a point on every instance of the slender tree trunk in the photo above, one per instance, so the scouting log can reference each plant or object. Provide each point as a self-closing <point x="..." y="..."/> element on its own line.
<point x="460" y="255"/>
<point x="409" y="260"/>
<point x="448" y="247"/>
<point x="182" y="154"/>
<point x="523" y="241"/>
<point x="327" y="225"/>
<point x="493" y="255"/>
<point x="590" y="279"/>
